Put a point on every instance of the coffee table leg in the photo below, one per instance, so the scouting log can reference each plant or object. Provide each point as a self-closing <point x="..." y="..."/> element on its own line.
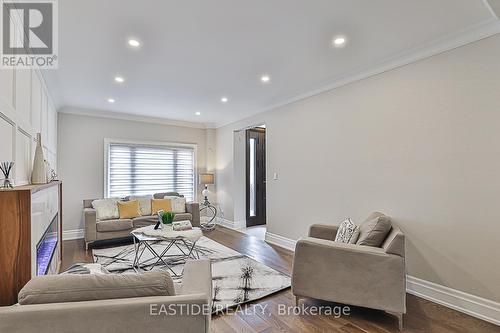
<point x="180" y="249"/>
<point x="165" y="251"/>
<point x="190" y="249"/>
<point x="138" y="256"/>
<point x="160" y="258"/>
<point x="136" y="249"/>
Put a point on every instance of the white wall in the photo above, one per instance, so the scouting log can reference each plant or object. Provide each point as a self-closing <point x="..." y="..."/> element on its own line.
<point x="81" y="154"/>
<point x="26" y="108"/>
<point x="420" y="143"/>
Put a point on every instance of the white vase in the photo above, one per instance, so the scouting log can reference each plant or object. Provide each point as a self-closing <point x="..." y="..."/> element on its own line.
<point x="39" y="174"/>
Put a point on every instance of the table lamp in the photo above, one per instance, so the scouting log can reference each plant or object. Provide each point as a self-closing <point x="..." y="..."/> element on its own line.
<point x="206" y="179"/>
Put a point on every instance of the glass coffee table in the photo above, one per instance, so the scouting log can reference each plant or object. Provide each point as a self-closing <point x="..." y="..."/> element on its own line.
<point x="147" y="237"/>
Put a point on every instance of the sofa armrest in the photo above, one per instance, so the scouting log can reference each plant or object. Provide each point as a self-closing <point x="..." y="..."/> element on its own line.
<point x="90" y="223"/>
<point x="197" y="278"/>
<point x="349" y="273"/>
<point x="395" y="242"/>
<point x="194" y="209"/>
<point x="323" y="231"/>
<point x="153" y="314"/>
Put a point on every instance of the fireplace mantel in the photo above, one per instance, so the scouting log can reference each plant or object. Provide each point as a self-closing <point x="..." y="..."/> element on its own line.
<point x="26" y="212"/>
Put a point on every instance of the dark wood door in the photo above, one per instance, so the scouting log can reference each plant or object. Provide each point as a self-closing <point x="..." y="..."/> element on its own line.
<point x="256" y="176"/>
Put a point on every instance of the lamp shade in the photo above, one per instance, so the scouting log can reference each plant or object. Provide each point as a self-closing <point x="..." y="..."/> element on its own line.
<point x="207" y="178"/>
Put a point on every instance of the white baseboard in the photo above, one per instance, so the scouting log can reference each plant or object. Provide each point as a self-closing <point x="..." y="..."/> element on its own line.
<point x="475" y="306"/>
<point x="280" y="241"/>
<point x="72" y="234"/>
<point x="235" y="225"/>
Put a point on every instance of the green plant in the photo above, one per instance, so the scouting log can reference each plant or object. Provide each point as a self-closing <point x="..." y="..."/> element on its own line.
<point x="167" y="217"/>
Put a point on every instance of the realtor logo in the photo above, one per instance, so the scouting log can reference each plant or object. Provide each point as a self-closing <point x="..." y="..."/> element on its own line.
<point x="29" y="34"/>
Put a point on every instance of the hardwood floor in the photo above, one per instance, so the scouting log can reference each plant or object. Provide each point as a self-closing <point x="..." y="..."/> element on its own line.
<point x="422" y="316"/>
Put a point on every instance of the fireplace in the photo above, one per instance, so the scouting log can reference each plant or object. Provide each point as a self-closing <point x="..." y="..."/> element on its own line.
<point x="47" y="246"/>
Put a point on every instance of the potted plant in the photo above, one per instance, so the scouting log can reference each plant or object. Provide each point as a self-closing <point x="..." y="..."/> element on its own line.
<point x="167" y="217"/>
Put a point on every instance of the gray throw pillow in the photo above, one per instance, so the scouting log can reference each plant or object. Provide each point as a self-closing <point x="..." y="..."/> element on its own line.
<point x="374" y="231"/>
<point x="348" y="232"/>
<point x="90" y="287"/>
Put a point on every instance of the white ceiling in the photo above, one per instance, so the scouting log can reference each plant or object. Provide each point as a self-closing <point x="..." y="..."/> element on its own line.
<point x="195" y="51"/>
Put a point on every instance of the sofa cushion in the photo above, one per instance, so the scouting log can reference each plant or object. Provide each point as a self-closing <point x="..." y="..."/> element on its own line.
<point x="374" y="231"/>
<point x="160" y="204"/>
<point x="128" y="209"/>
<point x="143" y="221"/>
<point x="90" y="287"/>
<point x="178" y="203"/>
<point x="183" y="216"/>
<point x="161" y="195"/>
<point x="106" y="209"/>
<point x="348" y="232"/>
<point x="144" y="203"/>
<point x="114" y="225"/>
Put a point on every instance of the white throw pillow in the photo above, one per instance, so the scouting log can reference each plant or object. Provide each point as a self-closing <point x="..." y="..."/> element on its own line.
<point x="106" y="209"/>
<point x="144" y="203"/>
<point x="348" y="232"/>
<point x="178" y="204"/>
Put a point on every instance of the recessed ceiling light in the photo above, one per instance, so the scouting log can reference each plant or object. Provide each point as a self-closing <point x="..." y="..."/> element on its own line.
<point x="339" y="41"/>
<point x="224" y="99"/>
<point x="198" y="113"/>
<point x="265" y="79"/>
<point x="119" y="79"/>
<point x="111" y="100"/>
<point x="134" y="43"/>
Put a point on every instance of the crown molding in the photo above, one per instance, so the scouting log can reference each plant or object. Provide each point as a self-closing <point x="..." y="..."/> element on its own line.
<point x="131" y="117"/>
<point x="449" y="42"/>
<point x="490" y="8"/>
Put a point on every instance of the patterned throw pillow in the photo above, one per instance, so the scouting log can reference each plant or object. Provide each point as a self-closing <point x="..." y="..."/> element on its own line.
<point x="106" y="209"/>
<point x="178" y="204"/>
<point x="348" y="232"/>
<point x="144" y="203"/>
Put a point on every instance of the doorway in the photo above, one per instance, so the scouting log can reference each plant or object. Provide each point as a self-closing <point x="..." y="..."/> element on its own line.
<point x="255" y="176"/>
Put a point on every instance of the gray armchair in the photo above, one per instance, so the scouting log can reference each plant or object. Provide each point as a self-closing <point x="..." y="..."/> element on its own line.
<point x="372" y="277"/>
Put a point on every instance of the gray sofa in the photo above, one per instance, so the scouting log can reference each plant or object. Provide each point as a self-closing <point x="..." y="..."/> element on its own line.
<point x="121" y="314"/>
<point x="96" y="230"/>
<point x="372" y="277"/>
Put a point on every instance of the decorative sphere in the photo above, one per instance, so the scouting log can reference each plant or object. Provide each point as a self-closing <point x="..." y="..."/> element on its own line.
<point x="205" y="192"/>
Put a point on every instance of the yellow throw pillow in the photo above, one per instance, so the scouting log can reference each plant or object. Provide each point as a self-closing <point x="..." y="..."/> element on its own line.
<point x="160" y="204"/>
<point x="129" y="209"/>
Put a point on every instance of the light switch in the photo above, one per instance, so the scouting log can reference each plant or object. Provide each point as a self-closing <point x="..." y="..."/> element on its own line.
<point x="275" y="176"/>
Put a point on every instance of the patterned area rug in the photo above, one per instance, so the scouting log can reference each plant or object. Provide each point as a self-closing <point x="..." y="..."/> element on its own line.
<point x="236" y="278"/>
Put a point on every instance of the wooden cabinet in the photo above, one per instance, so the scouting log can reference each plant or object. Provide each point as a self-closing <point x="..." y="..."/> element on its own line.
<point x="30" y="221"/>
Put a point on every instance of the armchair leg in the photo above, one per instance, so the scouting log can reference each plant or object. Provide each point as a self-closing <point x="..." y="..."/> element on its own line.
<point x="400" y="321"/>
<point x="297" y="299"/>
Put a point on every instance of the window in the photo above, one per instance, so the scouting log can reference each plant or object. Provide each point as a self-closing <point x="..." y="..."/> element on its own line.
<point x="138" y="169"/>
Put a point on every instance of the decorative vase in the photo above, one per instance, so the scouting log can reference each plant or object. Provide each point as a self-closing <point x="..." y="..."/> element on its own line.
<point x="39" y="174"/>
<point x="7" y="183"/>
<point x="6" y="168"/>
